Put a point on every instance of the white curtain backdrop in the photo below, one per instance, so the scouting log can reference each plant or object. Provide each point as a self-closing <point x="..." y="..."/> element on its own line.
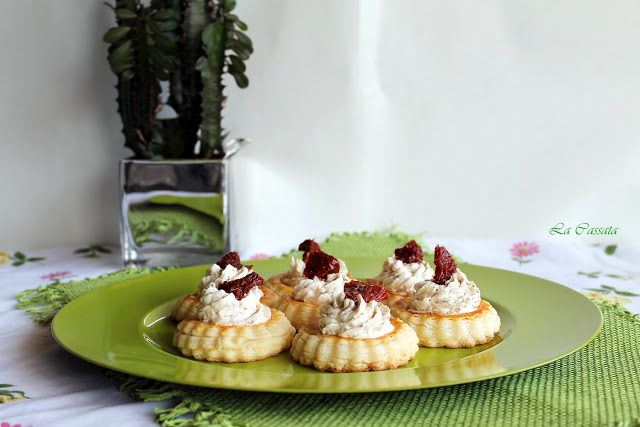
<point x="492" y="119"/>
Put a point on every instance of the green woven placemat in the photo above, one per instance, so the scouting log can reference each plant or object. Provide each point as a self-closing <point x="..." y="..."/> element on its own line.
<point x="377" y="244"/>
<point x="597" y="385"/>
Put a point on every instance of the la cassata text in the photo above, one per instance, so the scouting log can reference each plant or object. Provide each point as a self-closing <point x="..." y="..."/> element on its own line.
<point x="582" y="228"/>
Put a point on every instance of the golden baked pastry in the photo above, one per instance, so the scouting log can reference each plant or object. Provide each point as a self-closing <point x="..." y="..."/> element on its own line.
<point x="339" y="354"/>
<point x="448" y="310"/>
<point x="299" y="313"/>
<point x="226" y="321"/>
<point x="452" y="331"/>
<point x="240" y="343"/>
<point x="355" y="333"/>
<point x="187" y="306"/>
<point x="276" y="285"/>
<point x="269" y="298"/>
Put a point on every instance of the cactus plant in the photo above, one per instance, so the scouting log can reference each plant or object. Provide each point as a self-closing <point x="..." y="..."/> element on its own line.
<point x="190" y="45"/>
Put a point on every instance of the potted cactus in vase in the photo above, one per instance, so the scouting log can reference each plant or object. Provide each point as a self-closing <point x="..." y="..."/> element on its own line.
<point x="170" y="58"/>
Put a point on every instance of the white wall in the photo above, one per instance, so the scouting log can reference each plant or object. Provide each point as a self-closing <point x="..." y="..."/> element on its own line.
<point x="498" y="119"/>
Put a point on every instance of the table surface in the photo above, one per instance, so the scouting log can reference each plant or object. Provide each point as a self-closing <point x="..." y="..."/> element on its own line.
<point x="60" y="389"/>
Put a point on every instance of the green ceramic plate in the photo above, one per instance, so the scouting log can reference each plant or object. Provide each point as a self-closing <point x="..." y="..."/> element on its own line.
<point x="126" y="327"/>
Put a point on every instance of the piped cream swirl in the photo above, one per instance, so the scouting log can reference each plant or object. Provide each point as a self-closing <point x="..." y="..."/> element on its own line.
<point x="319" y="291"/>
<point x="296" y="273"/>
<point x="345" y="318"/>
<point x="216" y="275"/>
<point x="400" y="278"/>
<point x="222" y="308"/>
<point x="457" y="296"/>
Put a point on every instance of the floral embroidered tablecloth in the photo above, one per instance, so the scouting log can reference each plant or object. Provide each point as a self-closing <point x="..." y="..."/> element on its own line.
<point x="41" y="384"/>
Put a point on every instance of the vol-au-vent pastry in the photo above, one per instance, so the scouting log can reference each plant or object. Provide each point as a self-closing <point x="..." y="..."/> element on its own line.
<point x="283" y="283"/>
<point x="402" y="270"/>
<point x="231" y="324"/>
<point x="448" y="311"/>
<point x="355" y="333"/>
<point x="217" y="273"/>
<point x="321" y="283"/>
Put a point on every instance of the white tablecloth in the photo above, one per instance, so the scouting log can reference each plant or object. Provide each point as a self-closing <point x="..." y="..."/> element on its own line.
<point x="62" y="390"/>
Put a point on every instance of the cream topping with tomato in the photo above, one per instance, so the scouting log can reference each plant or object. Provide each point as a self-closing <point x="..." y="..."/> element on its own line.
<point x="400" y="278"/>
<point x="222" y="308"/>
<point x="458" y="295"/>
<point x="319" y="291"/>
<point x="346" y="318"/>
<point x="296" y="273"/>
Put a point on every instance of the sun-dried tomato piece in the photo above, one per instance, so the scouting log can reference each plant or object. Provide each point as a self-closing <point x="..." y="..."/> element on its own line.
<point x="411" y="252"/>
<point x="241" y="287"/>
<point x="308" y="246"/>
<point x="232" y="258"/>
<point x="445" y="265"/>
<point x="369" y="292"/>
<point x="320" y="264"/>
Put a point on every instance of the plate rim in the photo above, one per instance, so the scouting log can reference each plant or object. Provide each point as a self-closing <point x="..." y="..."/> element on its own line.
<point x="128" y="282"/>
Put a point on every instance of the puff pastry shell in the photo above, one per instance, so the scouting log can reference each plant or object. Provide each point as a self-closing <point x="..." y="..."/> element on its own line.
<point x="452" y="331"/>
<point x="275" y="284"/>
<point x="216" y="343"/>
<point x="338" y="354"/>
<point x="299" y="313"/>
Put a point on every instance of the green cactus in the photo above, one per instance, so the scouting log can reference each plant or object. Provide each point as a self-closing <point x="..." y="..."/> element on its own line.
<point x="191" y="44"/>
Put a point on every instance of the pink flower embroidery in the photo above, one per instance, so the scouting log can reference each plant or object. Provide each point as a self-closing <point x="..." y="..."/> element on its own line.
<point x="5" y="424"/>
<point x="55" y="275"/>
<point x="259" y="255"/>
<point x="521" y="250"/>
<point x="524" y="249"/>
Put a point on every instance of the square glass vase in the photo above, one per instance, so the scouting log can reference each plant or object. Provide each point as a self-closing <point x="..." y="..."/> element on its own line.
<point x="174" y="213"/>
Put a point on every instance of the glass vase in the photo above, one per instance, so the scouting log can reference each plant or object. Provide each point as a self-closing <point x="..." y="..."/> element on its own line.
<point x="174" y="212"/>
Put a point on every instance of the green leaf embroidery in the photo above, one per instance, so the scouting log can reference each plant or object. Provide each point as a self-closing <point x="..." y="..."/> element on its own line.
<point x="19" y="258"/>
<point x="593" y="275"/>
<point x="6" y="395"/>
<point x="521" y="261"/>
<point x="596" y="275"/>
<point x="609" y="250"/>
<point x="617" y="276"/>
<point x="606" y="289"/>
<point x="627" y="294"/>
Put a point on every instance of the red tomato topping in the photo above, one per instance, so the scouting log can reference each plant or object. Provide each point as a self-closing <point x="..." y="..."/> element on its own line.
<point x="369" y="292"/>
<point x="445" y="265"/>
<point x="308" y="246"/>
<point x="232" y="258"/>
<point x="241" y="287"/>
<point x="320" y="264"/>
<point x="411" y="252"/>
